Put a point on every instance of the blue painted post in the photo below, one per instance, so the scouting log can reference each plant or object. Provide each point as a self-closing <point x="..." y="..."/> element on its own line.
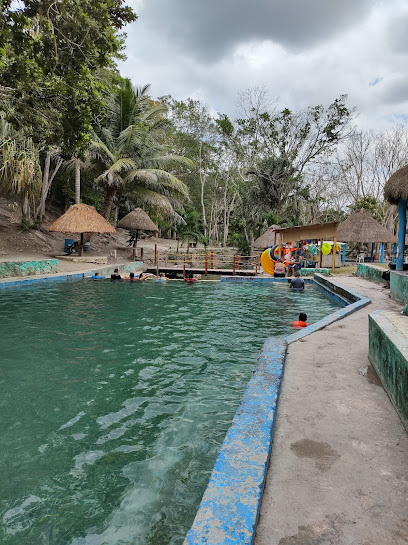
<point x="343" y="257"/>
<point x="402" y="212"/>
<point x="382" y="252"/>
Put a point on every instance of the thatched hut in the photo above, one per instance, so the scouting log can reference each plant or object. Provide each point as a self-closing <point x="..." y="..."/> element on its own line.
<point x="361" y="227"/>
<point x="396" y="192"/>
<point x="397" y="186"/>
<point x="138" y="220"/>
<point x="267" y="239"/>
<point x="82" y="219"/>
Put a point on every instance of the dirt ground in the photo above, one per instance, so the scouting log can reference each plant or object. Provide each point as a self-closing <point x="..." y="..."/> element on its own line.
<point x="19" y="245"/>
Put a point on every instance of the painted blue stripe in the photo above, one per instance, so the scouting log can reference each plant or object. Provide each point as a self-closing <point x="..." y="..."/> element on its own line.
<point x="229" y="510"/>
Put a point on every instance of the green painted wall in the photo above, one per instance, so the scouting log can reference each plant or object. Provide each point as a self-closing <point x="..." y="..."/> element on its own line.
<point x="311" y="272"/>
<point x="399" y="286"/>
<point x="388" y="353"/>
<point x="371" y="272"/>
<point x="28" y="268"/>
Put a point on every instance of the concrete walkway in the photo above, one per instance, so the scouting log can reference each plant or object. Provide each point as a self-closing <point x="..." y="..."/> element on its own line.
<point x="339" y="467"/>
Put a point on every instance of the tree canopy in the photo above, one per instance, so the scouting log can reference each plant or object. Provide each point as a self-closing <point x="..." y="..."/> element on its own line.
<point x="52" y="59"/>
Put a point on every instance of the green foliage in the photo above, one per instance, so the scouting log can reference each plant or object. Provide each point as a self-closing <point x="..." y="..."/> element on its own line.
<point x="370" y="204"/>
<point x="241" y="243"/>
<point x="52" y="59"/>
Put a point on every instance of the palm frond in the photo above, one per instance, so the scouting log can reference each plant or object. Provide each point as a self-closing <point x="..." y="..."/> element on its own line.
<point x="159" y="180"/>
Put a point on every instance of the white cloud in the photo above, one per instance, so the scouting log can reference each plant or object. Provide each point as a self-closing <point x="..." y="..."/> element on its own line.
<point x="187" y="51"/>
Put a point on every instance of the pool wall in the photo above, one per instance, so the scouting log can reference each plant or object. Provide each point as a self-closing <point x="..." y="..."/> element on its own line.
<point x="229" y="510"/>
<point x="388" y="353"/>
<point x="28" y="268"/>
<point x="104" y="271"/>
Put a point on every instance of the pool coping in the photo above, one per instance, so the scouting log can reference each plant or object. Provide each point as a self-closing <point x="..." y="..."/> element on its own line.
<point x="229" y="509"/>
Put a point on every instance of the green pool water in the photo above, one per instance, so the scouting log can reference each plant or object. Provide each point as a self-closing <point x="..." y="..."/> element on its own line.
<point x="116" y="399"/>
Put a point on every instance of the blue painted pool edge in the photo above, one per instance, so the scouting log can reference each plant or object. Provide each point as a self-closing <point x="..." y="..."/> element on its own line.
<point x="229" y="510"/>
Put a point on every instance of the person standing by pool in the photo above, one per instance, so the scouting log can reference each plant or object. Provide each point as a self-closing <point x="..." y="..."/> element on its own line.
<point x="297" y="283"/>
<point x="279" y="269"/>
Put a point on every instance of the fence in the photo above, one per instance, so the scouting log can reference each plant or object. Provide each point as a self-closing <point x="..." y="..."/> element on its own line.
<point x="208" y="262"/>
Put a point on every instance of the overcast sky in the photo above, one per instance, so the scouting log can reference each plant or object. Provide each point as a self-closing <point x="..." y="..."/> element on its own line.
<point x="305" y="52"/>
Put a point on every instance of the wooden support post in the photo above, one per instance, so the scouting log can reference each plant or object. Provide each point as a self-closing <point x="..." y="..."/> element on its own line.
<point x="334" y="254"/>
<point x="280" y="246"/>
<point x="81" y="245"/>
<point x="191" y="261"/>
<point x="141" y="253"/>
<point x="212" y="260"/>
<point x="237" y="262"/>
<point x="134" y="254"/>
<point x="184" y="267"/>
<point x="155" y="254"/>
<point x="157" y="266"/>
<point x="402" y="225"/>
<point x="382" y="252"/>
<point x="166" y="258"/>
<point x="206" y="264"/>
<point x="233" y="264"/>
<point x="321" y="255"/>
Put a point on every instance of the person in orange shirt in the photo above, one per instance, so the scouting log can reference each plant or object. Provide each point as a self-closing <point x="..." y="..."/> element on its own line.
<point x="298" y="324"/>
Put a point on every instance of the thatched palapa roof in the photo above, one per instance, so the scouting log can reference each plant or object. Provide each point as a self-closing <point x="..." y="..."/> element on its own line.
<point x="138" y="220"/>
<point x="361" y="227"/>
<point x="397" y="186"/>
<point x="268" y="238"/>
<point x="81" y="218"/>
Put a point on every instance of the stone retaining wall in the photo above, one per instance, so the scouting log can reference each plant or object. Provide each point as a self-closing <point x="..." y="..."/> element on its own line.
<point x="28" y="268"/>
<point x="388" y="353"/>
<point x="371" y="272"/>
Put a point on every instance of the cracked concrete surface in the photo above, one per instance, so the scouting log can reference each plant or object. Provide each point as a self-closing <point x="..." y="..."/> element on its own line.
<point x="338" y="473"/>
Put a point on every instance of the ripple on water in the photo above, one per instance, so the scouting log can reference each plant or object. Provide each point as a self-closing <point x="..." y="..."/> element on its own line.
<point x="115" y="405"/>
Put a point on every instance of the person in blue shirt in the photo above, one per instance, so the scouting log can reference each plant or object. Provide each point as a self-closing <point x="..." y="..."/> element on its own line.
<point x="297" y="283"/>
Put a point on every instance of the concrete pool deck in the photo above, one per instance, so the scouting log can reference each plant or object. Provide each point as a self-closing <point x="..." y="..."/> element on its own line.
<point x="338" y="471"/>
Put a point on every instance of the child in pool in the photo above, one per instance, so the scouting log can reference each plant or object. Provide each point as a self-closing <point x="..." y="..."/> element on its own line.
<point x="298" y="324"/>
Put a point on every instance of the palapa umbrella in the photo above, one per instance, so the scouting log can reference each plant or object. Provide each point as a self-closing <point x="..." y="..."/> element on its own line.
<point x="137" y="220"/>
<point x="361" y="227"/>
<point x="397" y="186"/>
<point x="268" y="238"/>
<point x="396" y="192"/>
<point x="81" y="218"/>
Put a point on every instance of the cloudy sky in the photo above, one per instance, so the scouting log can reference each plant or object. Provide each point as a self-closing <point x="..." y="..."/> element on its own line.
<point x="305" y="52"/>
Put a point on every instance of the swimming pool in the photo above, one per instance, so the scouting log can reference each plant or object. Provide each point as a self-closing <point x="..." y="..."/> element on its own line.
<point x="116" y="399"/>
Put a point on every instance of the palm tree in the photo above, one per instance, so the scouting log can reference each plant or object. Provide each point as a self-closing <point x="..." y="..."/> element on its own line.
<point x="20" y="171"/>
<point x="135" y="159"/>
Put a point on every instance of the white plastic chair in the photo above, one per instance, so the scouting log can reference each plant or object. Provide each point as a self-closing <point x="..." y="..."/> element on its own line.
<point x="360" y="257"/>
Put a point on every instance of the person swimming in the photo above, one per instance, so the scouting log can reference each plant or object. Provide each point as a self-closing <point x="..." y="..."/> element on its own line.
<point x="190" y="279"/>
<point x="161" y="278"/>
<point x="301" y="322"/>
<point x="115" y="275"/>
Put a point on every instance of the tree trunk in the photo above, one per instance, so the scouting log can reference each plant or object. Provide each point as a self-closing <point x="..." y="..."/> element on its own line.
<point x="107" y="203"/>
<point x="46" y="183"/>
<point x="77" y="181"/>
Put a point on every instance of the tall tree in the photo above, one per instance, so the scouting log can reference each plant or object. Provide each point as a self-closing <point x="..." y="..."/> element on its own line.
<point x="51" y="56"/>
